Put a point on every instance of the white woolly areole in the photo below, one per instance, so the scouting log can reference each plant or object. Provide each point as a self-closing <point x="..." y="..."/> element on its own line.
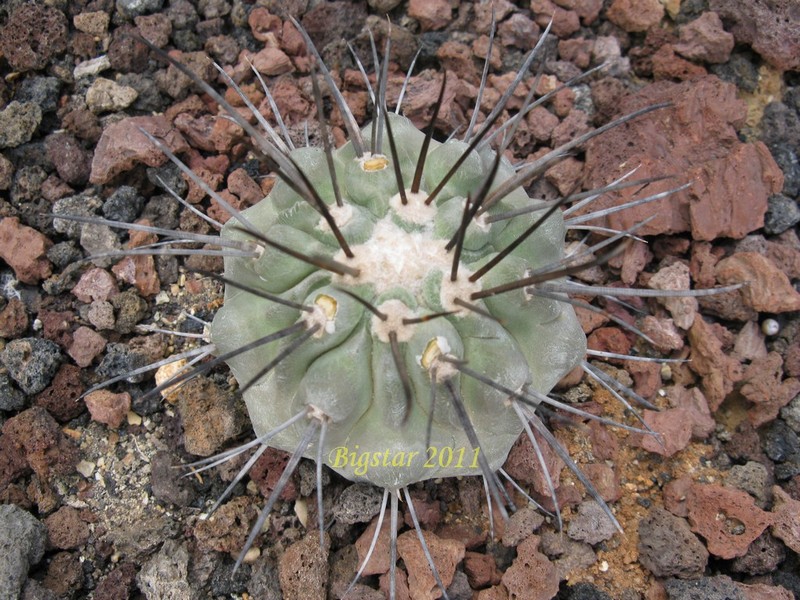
<point x="395" y="311"/>
<point x="394" y="258"/>
<point x="341" y="216"/>
<point x="416" y="211"/>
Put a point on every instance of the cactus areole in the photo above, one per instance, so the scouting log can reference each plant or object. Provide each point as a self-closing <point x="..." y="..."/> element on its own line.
<point x="374" y="351"/>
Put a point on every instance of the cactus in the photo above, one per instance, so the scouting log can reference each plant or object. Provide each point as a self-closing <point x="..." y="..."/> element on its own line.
<point x="399" y="308"/>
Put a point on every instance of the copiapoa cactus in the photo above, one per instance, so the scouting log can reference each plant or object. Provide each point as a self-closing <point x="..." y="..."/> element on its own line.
<point x="399" y="308"/>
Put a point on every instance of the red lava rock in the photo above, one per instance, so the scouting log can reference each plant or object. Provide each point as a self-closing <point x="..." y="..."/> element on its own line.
<point x="271" y="61"/>
<point x="541" y="123"/>
<point x="676" y="277"/>
<point x="268" y="469"/>
<point x="119" y="583"/>
<point x="303" y="569"/>
<point x="13" y="319"/>
<point x="605" y="481"/>
<point x="12" y="463"/>
<point x="523" y="466"/>
<point x="666" y="64"/>
<point x="565" y="174"/>
<point x="518" y="30"/>
<point x="32" y="36"/>
<point x="139" y="271"/>
<point x="762" y="591"/>
<point x="446" y="555"/>
<point x="428" y="512"/>
<point x="61" y="397"/>
<point x="635" y="15"/>
<point x="46" y="449"/>
<point x="24" y="249"/>
<point x="56" y="326"/>
<point x="95" y="284"/>
<point x="675" y="494"/>
<point x="728" y="519"/>
<point x="786" y="519"/>
<point x="481" y="570"/>
<point x="207" y="169"/>
<point x="675" y="427"/>
<point x="64" y="575"/>
<point x="762" y="385"/>
<point x="768" y="28"/>
<point x="86" y="345"/>
<point x="531" y="576"/>
<point x="705" y="39"/>
<point x="262" y="23"/>
<point x="767" y="289"/>
<point x="520" y="525"/>
<point x="423" y="90"/>
<point x="70" y="159"/>
<point x="431" y="14"/>
<point x="663" y="332"/>
<point x="693" y="401"/>
<point x="208" y="414"/>
<point x="719" y="371"/>
<point x="155" y="28"/>
<point x="227" y="529"/>
<point x="241" y="184"/>
<point x="712" y="157"/>
<point x="456" y="58"/>
<point x="604" y="445"/>
<point x="565" y="22"/>
<point x="750" y="343"/>
<point x="609" y="339"/>
<point x="379" y="561"/>
<point x="122" y="146"/>
<point x="108" y="408"/>
<point x="65" y="529"/>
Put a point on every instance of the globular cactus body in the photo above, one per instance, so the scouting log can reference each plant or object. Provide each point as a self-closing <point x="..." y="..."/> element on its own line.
<point x="347" y="370"/>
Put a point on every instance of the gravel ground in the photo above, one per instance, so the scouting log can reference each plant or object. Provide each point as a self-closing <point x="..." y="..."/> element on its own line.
<point x="93" y="504"/>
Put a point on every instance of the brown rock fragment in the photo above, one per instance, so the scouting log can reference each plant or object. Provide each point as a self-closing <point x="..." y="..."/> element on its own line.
<point x="86" y="345"/>
<point x="675" y="429"/>
<point x="208" y="414"/>
<point x="303" y="569"/>
<point x="65" y="529"/>
<point x="227" y="529"/>
<point x="705" y="39"/>
<point x="379" y="561"/>
<point x="719" y="371"/>
<point x="62" y="397"/>
<point x="108" y="408"/>
<point x="46" y="449"/>
<point x="635" y="15"/>
<point x="24" y="249"/>
<point x="769" y="27"/>
<point x="697" y="137"/>
<point x="95" y="284"/>
<point x="431" y="14"/>
<point x="767" y="289"/>
<point x="13" y="319"/>
<point x="531" y="576"/>
<point x="446" y="555"/>
<point x="481" y="570"/>
<point x="123" y="145"/>
<point x="676" y="277"/>
<point x="786" y="519"/>
<point x="764" y="387"/>
<point x="728" y="519"/>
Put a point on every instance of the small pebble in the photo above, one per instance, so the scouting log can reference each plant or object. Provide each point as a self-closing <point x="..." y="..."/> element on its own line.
<point x="770" y="327"/>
